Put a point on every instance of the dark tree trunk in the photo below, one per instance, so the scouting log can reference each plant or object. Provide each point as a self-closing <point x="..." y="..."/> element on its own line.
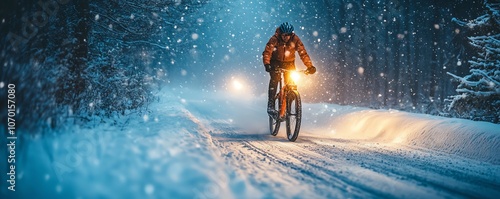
<point x="434" y="56"/>
<point x="342" y="77"/>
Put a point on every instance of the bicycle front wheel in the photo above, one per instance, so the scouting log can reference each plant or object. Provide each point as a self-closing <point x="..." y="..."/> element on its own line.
<point x="294" y="115"/>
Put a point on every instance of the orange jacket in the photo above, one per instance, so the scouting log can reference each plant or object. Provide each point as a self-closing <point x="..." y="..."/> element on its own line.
<point x="278" y="50"/>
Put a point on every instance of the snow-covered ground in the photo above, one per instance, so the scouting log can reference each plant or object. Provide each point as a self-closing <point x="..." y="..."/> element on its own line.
<point x="196" y="144"/>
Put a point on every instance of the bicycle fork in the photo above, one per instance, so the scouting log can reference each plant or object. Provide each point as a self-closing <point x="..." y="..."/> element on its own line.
<point x="283" y="102"/>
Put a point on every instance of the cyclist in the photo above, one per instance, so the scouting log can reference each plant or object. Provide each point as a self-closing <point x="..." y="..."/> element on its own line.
<point x="280" y="53"/>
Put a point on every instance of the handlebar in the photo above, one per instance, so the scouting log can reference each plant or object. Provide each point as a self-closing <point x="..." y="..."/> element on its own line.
<point x="282" y="70"/>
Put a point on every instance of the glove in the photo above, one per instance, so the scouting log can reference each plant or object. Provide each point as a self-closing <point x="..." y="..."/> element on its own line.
<point x="311" y="70"/>
<point x="268" y="67"/>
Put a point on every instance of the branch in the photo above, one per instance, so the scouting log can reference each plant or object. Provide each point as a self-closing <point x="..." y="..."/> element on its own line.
<point x="146" y="42"/>
<point x="477" y="93"/>
<point x="455" y="76"/>
<point x="485" y="75"/>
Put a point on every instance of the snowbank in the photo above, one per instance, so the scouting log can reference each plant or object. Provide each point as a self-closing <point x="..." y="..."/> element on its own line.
<point x="166" y="152"/>
<point x="472" y="139"/>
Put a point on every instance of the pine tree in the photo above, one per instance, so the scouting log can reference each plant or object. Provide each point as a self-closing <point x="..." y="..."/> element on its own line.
<point x="479" y="92"/>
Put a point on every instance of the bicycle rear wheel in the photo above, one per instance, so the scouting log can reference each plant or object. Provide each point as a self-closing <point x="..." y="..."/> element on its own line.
<point x="274" y="125"/>
<point x="294" y="115"/>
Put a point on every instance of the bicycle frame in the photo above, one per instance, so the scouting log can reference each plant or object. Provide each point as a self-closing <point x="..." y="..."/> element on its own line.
<point x="284" y="88"/>
<point x="289" y="107"/>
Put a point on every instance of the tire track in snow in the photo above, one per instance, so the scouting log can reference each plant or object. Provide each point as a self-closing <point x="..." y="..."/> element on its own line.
<point x="327" y="184"/>
<point x="426" y="168"/>
<point x="351" y="173"/>
<point x="262" y="169"/>
<point x="336" y="168"/>
<point x="310" y="176"/>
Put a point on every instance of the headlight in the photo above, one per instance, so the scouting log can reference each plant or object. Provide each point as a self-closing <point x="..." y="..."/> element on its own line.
<point x="295" y="76"/>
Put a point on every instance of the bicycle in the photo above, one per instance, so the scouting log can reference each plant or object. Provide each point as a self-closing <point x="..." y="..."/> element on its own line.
<point x="289" y="106"/>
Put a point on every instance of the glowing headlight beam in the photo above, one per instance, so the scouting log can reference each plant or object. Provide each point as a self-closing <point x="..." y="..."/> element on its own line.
<point x="295" y="76"/>
<point x="237" y="85"/>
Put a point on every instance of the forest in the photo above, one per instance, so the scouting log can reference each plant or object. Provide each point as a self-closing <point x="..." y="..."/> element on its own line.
<point x="404" y="54"/>
<point x="81" y="60"/>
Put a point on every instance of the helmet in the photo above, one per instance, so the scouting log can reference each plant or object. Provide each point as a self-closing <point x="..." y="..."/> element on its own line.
<point x="286" y="28"/>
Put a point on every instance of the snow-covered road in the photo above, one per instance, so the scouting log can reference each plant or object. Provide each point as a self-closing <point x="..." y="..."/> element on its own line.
<point x="318" y="165"/>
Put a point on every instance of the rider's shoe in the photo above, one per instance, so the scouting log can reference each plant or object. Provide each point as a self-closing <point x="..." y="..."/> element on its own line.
<point x="272" y="112"/>
<point x="271" y="109"/>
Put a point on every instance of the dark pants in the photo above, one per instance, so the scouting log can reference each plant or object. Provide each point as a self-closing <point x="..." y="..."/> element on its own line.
<point x="276" y="78"/>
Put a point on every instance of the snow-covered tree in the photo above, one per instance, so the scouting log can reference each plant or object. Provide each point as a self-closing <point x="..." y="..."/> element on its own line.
<point x="479" y="92"/>
<point x="78" y="59"/>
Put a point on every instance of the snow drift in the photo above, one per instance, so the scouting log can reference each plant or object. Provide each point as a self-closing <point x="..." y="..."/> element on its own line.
<point x="472" y="139"/>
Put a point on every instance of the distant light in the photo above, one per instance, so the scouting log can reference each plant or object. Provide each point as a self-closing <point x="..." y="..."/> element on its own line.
<point x="237" y="84"/>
